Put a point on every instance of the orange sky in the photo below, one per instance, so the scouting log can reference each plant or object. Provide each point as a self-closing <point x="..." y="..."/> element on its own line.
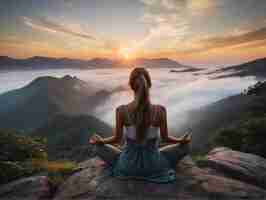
<point x="198" y="32"/>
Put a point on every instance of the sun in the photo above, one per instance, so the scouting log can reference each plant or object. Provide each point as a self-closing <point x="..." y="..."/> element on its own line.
<point x="125" y="53"/>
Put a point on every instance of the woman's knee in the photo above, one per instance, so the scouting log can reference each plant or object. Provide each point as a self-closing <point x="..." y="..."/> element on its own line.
<point x="106" y="152"/>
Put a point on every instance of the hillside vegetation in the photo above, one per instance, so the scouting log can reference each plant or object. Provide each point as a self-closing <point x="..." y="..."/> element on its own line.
<point x="248" y="134"/>
<point x="22" y="156"/>
<point x="16" y="154"/>
<point x="67" y="136"/>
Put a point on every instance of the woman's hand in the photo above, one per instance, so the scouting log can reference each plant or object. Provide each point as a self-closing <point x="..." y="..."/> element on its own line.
<point x="185" y="139"/>
<point x="96" y="139"/>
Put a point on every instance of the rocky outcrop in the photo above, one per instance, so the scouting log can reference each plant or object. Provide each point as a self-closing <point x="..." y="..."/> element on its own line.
<point x="211" y="182"/>
<point x="192" y="183"/>
<point x="31" y="188"/>
<point x="242" y="166"/>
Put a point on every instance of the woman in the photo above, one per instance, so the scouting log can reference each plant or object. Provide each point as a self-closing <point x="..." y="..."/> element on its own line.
<point x="141" y="126"/>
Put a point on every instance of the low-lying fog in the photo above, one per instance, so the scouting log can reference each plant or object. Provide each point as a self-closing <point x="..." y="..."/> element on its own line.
<point x="179" y="92"/>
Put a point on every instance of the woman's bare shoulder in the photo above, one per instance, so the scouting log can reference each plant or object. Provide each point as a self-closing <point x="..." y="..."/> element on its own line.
<point x="159" y="113"/>
<point x="123" y="109"/>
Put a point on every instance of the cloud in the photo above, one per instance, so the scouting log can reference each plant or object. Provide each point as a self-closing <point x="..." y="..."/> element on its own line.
<point x="256" y="44"/>
<point x="166" y="25"/>
<point x="171" y="22"/>
<point x="175" y="5"/>
<point x="14" y="41"/>
<point x="44" y="24"/>
<point x="203" y="5"/>
<point x="230" y="40"/>
<point x="182" y="25"/>
<point x="233" y="48"/>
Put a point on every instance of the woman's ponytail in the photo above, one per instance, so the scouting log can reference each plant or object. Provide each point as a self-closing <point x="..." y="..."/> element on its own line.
<point x="140" y="82"/>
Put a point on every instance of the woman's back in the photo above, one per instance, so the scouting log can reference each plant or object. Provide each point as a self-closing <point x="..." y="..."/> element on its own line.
<point x="152" y="133"/>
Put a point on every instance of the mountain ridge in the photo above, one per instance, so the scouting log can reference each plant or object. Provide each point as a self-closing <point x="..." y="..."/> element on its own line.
<point x="40" y="62"/>
<point x="45" y="97"/>
<point x="255" y="67"/>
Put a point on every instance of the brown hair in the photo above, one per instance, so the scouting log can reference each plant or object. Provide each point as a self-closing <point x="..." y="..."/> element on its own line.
<point x="140" y="83"/>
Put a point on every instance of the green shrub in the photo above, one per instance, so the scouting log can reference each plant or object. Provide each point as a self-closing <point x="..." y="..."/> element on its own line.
<point x="23" y="156"/>
<point x="199" y="159"/>
<point x="16" y="154"/>
<point x="248" y="136"/>
<point x="15" y="147"/>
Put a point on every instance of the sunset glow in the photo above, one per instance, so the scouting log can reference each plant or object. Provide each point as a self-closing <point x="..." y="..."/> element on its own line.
<point x="125" y="53"/>
<point x="207" y="32"/>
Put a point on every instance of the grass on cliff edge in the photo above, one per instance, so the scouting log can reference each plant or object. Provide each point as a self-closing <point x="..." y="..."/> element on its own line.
<point x="23" y="156"/>
<point x="57" y="171"/>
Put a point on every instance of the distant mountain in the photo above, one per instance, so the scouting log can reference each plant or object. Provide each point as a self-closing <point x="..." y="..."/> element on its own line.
<point x="192" y="69"/>
<point x="229" y="111"/>
<point x="104" y="63"/>
<point x="33" y="105"/>
<point x="39" y="62"/>
<point x="253" y="68"/>
<point x="158" y="63"/>
<point x="57" y="109"/>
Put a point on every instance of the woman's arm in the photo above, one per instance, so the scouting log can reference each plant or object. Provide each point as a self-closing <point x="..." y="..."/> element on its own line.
<point x="164" y="129"/>
<point x="118" y="131"/>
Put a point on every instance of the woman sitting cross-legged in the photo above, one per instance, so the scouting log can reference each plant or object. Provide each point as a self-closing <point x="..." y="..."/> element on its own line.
<point x="141" y="126"/>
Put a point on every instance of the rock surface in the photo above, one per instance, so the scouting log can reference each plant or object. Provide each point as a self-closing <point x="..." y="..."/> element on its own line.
<point x="31" y="188"/>
<point x="243" y="166"/>
<point x="219" y="179"/>
<point x="192" y="183"/>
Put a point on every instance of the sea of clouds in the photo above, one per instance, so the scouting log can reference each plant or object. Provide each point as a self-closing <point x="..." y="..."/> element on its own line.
<point x="178" y="92"/>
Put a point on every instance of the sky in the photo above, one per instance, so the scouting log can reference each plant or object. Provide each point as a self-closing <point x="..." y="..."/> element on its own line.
<point x="196" y="32"/>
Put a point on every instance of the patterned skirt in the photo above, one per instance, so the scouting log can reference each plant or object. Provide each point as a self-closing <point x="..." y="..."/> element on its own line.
<point x="144" y="162"/>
